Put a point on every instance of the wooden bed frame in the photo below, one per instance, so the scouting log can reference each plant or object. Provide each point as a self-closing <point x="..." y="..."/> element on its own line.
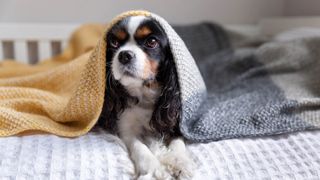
<point x="29" y="43"/>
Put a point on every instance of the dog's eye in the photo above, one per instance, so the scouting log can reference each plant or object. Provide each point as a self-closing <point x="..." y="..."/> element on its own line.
<point x="114" y="43"/>
<point x="152" y="43"/>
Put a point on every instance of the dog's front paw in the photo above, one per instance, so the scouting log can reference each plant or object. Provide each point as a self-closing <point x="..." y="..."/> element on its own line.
<point x="179" y="165"/>
<point x="161" y="173"/>
<point x="149" y="168"/>
<point x="157" y="174"/>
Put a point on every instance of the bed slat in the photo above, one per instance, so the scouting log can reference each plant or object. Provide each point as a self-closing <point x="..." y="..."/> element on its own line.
<point x="44" y="50"/>
<point x="1" y="51"/>
<point x="64" y="44"/>
<point x="21" y="51"/>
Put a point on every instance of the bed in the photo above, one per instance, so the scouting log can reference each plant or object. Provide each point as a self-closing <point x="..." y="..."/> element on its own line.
<point x="100" y="155"/>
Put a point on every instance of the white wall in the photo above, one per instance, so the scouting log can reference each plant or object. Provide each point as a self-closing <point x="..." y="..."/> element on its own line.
<point x="302" y="7"/>
<point x="175" y="11"/>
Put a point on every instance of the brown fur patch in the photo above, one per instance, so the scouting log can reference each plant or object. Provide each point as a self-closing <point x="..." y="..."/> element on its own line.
<point x="121" y="34"/>
<point x="143" y="32"/>
<point x="150" y="68"/>
<point x="154" y="66"/>
<point x="146" y="69"/>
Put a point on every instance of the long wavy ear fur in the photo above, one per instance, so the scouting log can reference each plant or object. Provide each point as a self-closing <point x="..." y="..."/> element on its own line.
<point x="167" y="112"/>
<point x="115" y="100"/>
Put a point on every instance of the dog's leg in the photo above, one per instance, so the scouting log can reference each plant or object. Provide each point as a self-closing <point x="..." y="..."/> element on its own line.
<point x="178" y="160"/>
<point x="146" y="163"/>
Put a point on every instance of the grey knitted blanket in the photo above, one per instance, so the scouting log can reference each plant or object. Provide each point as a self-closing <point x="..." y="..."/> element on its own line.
<point x="244" y="92"/>
<point x="269" y="89"/>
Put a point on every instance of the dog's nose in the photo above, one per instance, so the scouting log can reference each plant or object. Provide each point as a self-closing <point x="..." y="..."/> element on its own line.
<point x="126" y="57"/>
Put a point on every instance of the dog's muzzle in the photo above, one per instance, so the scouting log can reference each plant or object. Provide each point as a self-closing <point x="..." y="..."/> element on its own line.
<point x="126" y="57"/>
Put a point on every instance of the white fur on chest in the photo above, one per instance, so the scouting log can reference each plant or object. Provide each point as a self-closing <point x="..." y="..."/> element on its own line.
<point x="144" y="94"/>
<point x="136" y="117"/>
<point x="133" y="120"/>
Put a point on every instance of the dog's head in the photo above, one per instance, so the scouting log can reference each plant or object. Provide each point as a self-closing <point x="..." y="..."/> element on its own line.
<point x="136" y="47"/>
<point x="139" y="55"/>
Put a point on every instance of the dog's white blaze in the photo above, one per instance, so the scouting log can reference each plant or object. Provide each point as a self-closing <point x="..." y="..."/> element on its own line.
<point x="133" y="25"/>
<point x="139" y="63"/>
<point x="140" y="59"/>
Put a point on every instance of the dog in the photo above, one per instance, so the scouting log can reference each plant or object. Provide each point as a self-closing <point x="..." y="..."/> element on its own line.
<point x="142" y="99"/>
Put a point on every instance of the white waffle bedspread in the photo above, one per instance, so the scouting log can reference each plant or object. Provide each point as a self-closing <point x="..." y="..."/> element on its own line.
<point x="99" y="155"/>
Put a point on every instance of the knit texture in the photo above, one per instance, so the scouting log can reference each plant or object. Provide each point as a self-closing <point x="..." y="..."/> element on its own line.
<point x="257" y="91"/>
<point x="67" y="100"/>
<point x="99" y="155"/>
<point x="63" y="95"/>
<point x="102" y="156"/>
<point x="267" y="90"/>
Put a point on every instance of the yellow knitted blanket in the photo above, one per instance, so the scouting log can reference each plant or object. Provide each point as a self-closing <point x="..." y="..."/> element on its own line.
<point x="63" y="95"/>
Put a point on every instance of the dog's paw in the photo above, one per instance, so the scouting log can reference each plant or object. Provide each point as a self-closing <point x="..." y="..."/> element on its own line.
<point x="179" y="165"/>
<point x="161" y="173"/>
<point x="149" y="168"/>
<point x="158" y="174"/>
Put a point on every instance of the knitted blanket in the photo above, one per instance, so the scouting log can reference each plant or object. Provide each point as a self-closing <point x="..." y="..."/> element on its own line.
<point x="64" y="95"/>
<point x="99" y="155"/>
<point x="269" y="89"/>
<point x="251" y="92"/>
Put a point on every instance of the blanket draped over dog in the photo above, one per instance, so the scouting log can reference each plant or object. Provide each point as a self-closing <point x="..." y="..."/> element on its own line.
<point x="267" y="90"/>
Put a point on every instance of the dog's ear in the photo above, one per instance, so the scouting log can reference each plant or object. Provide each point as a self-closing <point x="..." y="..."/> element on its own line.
<point x="167" y="112"/>
<point x="115" y="99"/>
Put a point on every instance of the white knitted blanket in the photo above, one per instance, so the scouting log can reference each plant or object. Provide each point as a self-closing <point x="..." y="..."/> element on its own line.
<point x="99" y="155"/>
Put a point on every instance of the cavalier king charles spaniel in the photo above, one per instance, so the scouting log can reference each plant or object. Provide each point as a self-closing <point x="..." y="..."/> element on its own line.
<point x="142" y="99"/>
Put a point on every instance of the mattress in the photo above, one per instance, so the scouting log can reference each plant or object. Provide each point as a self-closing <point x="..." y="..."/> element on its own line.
<point x="100" y="155"/>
